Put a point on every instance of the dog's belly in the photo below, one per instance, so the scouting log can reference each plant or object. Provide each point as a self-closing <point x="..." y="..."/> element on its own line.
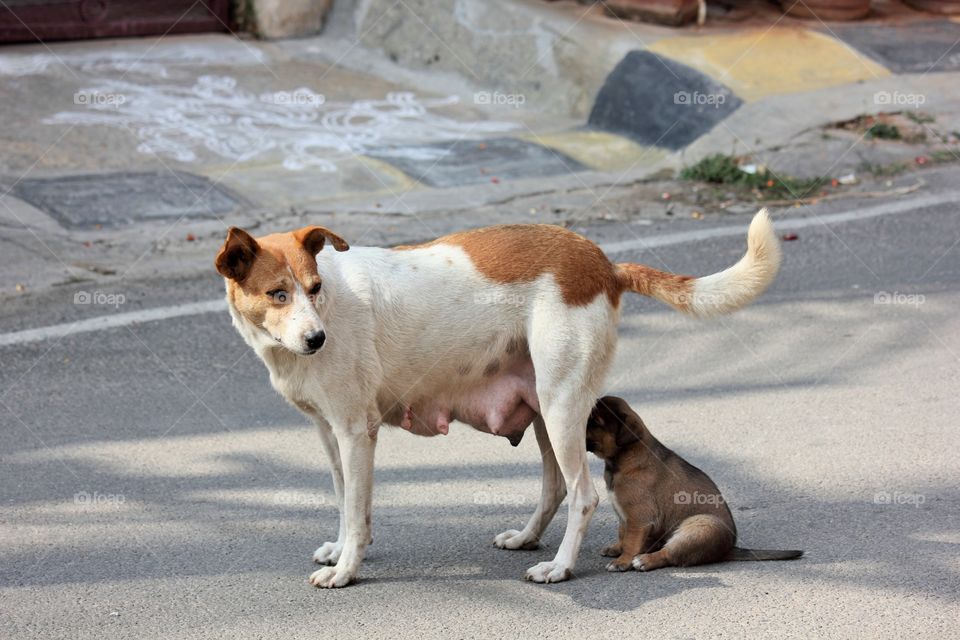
<point x="502" y="403"/>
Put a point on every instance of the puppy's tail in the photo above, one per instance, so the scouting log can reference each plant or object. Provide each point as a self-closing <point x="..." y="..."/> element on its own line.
<point x="721" y="292"/>
<point x="763" y="554"/>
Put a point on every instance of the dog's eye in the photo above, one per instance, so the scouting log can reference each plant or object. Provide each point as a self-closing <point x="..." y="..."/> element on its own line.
<point x="279" y="296"/>
<point x="315" y="289"/>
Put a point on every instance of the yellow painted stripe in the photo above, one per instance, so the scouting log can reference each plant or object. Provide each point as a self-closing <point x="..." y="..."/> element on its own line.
<point x="398" y="180"/>
<point x="356" y="176"/>
<point x="764" y="62"/>
<point x="599" y="150"/>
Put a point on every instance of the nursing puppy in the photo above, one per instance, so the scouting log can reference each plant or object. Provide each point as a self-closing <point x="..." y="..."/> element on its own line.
<point x="671" y="513"/>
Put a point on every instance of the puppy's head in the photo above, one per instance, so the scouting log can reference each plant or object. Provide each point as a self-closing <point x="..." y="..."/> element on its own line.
<point x="273" y="283"/>
<point x="612" y="425"/>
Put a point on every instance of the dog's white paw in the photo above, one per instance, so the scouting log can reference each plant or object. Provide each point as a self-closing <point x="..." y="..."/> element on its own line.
<point x="548" y="572"/>
<point x="328" y="553"/>
<point x="331" y="578"/>
<point x="514" y="540"/>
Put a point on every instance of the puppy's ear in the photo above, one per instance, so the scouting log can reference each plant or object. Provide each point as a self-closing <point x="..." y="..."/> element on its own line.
<point x="313" y="239"/>
<point x="237" y="255"/>
<point x="630" y="429"/>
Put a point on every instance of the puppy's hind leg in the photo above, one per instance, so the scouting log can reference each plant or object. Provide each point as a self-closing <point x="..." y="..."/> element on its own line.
<point x="700" y="539"/>
<point x="552" y="492"/>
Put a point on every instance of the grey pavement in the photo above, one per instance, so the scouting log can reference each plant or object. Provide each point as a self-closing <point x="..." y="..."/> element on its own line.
<point x="154" y="486"/>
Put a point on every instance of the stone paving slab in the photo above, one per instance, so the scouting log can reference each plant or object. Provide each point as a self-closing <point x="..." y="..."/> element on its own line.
<point x="114" y="199"/>
<point x="465" y="162"/>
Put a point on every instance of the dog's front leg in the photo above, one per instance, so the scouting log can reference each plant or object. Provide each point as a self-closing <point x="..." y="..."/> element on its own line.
<point x="329" y="552"/>
<point x="357" y="445"/>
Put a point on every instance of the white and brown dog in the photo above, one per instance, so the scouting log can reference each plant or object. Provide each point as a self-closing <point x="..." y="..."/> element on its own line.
<point x="498" y="328"/>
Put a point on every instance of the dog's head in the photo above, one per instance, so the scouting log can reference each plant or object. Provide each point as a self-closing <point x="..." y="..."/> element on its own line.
<point x="273" y="283"/>
<point x="612" y="425"/>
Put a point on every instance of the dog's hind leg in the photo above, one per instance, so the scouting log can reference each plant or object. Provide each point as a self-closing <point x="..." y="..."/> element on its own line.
<point x="357" y="444"/>
<point x="566" y="425"/>
<point x="700" y="539"/>
<point x="552" y="491"/>
<point x="329" y="552"/>
<point x="571" y="349"/>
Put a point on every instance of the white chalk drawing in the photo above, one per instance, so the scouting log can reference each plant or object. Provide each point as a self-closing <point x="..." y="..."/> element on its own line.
<point x="213" y="114"/>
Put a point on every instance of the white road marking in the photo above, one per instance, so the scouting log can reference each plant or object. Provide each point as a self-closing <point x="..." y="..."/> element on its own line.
<point x="788" y="224"/>
<point x="219" y="305"/>
<point x="112" y="322"/>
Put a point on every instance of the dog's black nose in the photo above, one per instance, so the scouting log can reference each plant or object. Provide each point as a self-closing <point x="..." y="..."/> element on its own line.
<point x="316" y="340"/>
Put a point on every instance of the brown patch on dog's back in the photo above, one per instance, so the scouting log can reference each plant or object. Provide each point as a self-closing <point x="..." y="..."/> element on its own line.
<point x="524" y="252"/>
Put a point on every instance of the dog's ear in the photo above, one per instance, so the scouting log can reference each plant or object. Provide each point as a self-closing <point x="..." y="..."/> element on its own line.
<point x="630" y="429"/>
<point x="623" y="421"/>
<point x="237" y="254"/>
<point x="313" y="239"/>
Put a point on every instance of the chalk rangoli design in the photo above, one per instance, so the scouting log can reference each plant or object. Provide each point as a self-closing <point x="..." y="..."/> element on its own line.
<point x="177" y="121"/>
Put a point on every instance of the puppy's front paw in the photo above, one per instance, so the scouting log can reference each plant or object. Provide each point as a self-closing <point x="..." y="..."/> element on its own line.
<point x="328" y="553"/>
<point x="514" y="540"/>
<point x="611" y="550"/>
<point x="620" y="564"/>
<point x="548" y="572"/>
<point x="331" y="578"/>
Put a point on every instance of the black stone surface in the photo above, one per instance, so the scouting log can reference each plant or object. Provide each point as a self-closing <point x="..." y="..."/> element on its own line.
<point x="659" y="102"/>
<point x="918" y="47"/>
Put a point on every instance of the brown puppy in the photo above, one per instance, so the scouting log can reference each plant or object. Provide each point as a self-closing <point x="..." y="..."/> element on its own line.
<point x="671" y="513"/>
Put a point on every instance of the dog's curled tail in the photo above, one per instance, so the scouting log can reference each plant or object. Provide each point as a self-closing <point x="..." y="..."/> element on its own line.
<point x="764" y="554"/>
<point x="718" y="293"/>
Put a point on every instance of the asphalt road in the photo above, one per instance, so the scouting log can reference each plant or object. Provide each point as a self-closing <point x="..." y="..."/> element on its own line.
<point x="153" y="485"/>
